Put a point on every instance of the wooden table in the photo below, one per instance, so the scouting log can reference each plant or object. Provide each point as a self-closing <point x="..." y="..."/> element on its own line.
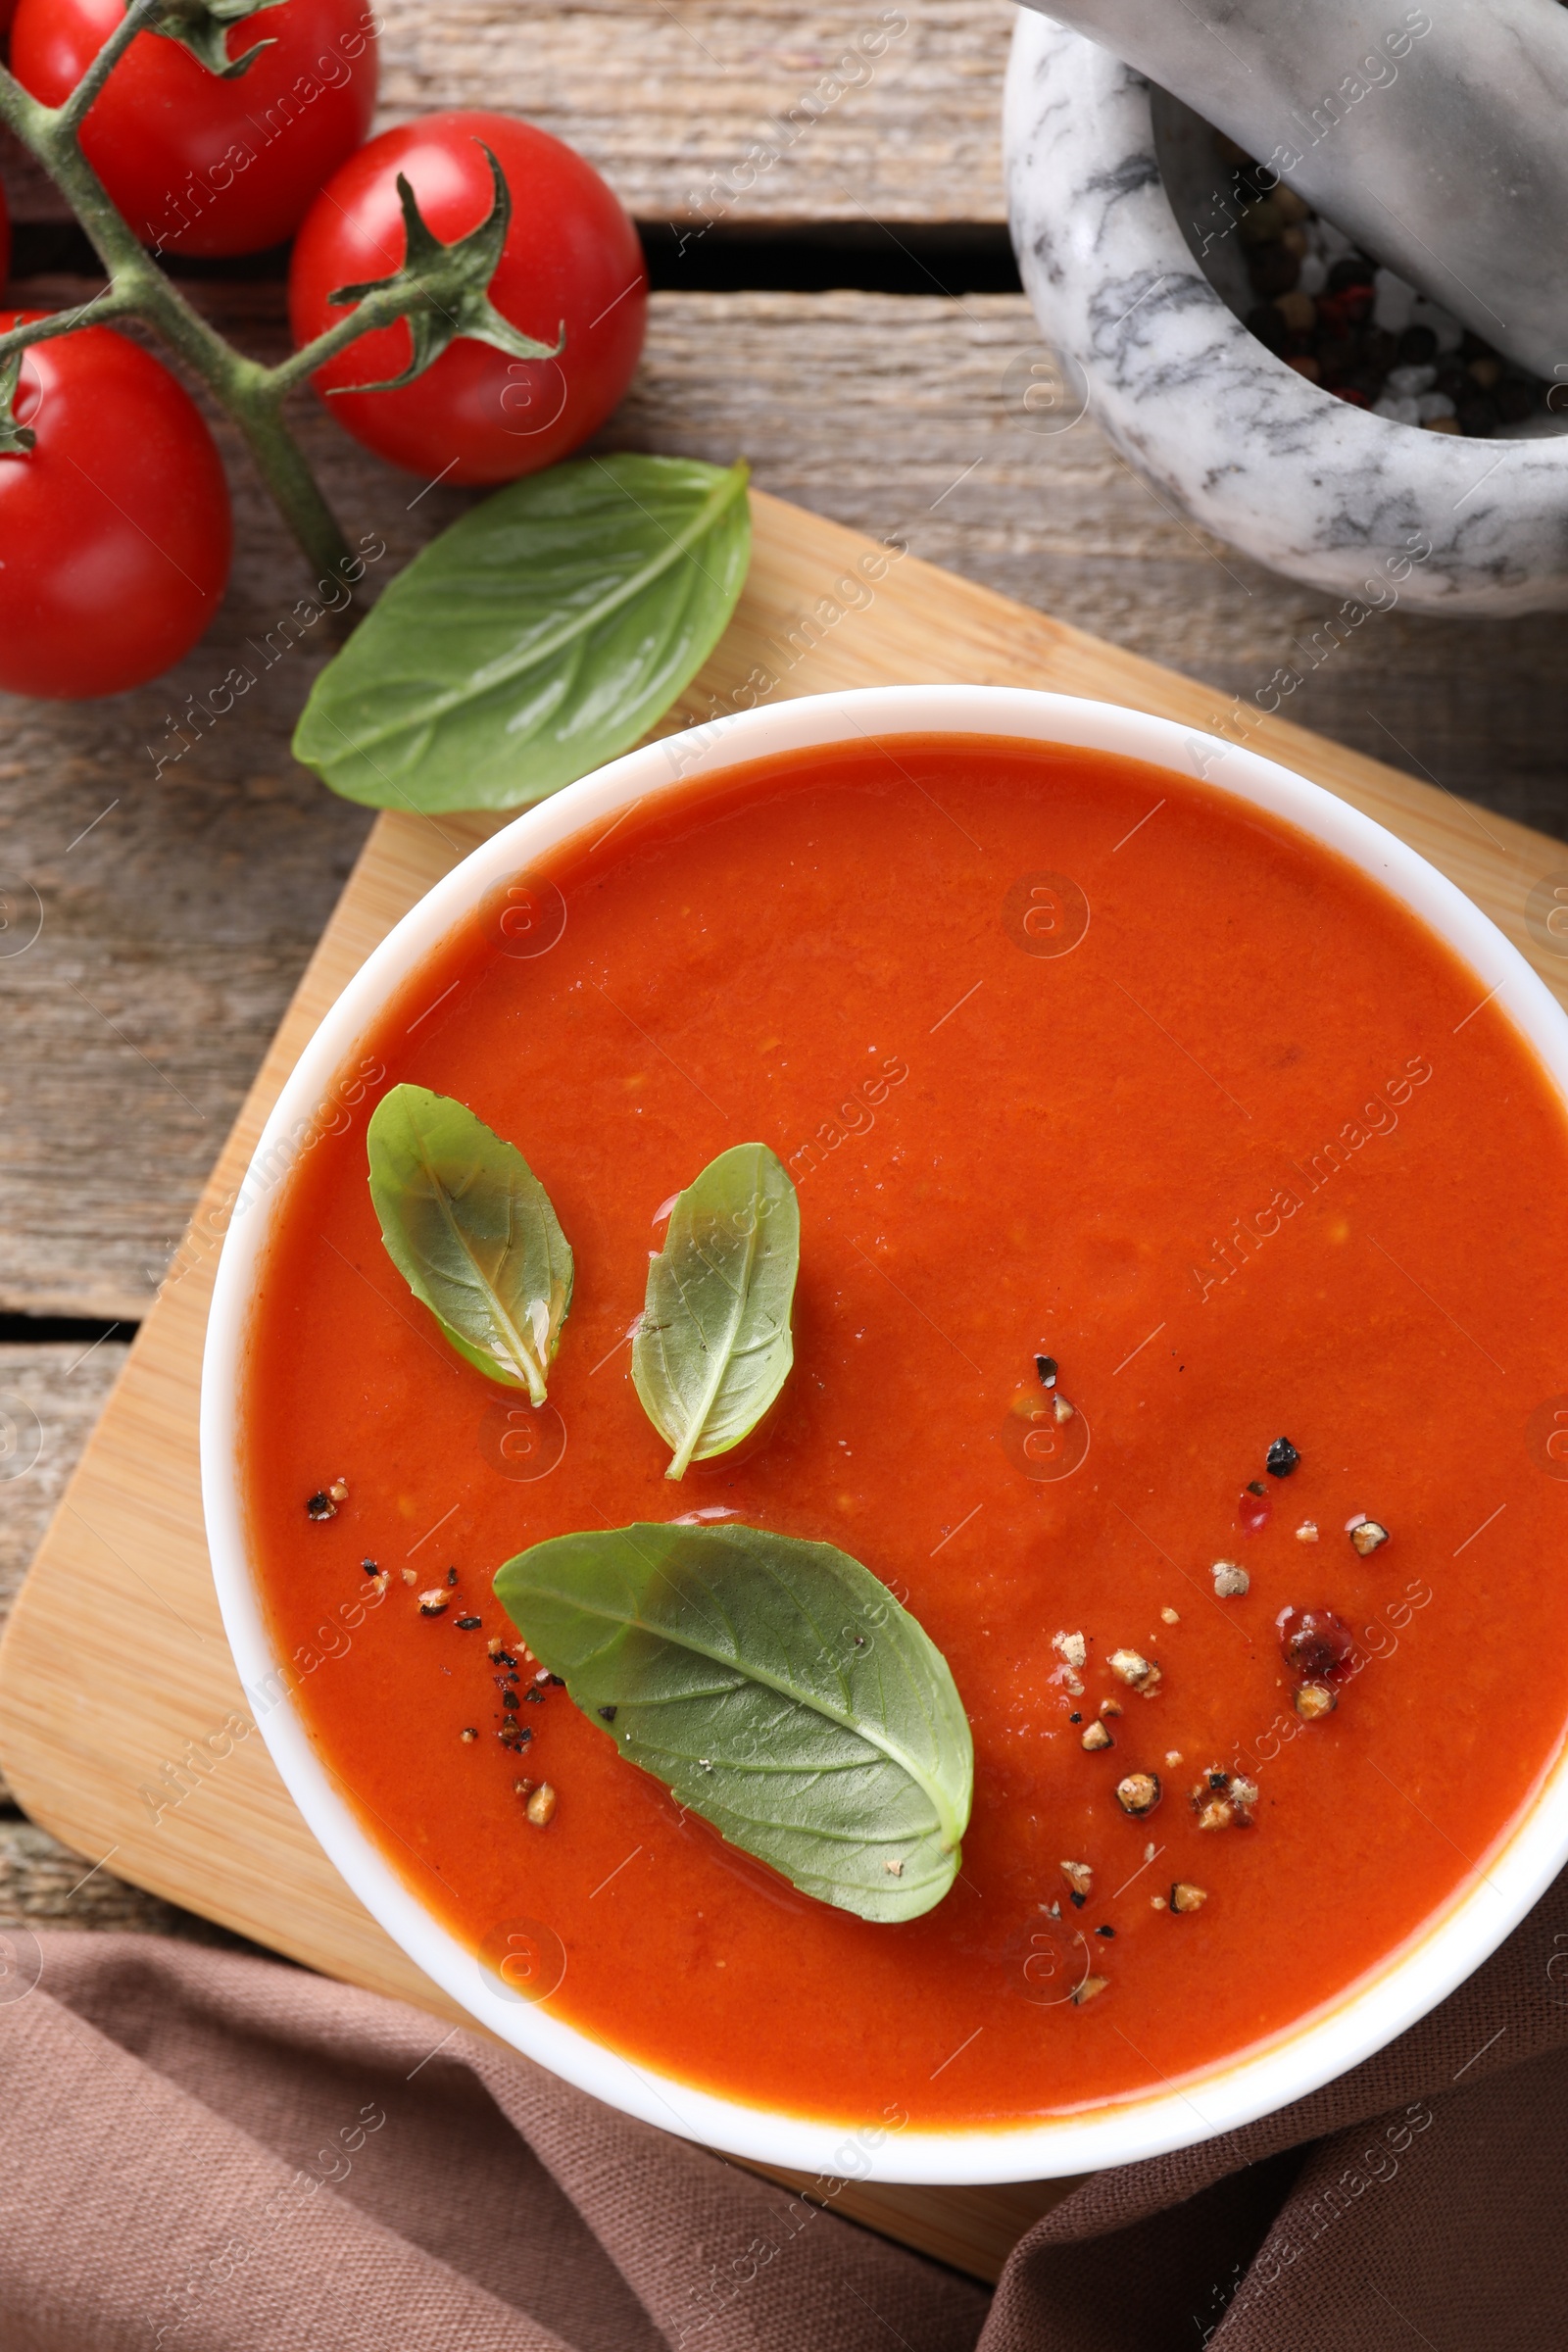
<point x="178" y="909"/>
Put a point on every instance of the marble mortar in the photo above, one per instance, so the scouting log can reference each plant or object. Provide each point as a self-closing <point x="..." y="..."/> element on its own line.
<point x="1349" y="502"/>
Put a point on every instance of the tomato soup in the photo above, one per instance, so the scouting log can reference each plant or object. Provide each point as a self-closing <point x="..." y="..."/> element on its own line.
<point x="1100" y="1092"/>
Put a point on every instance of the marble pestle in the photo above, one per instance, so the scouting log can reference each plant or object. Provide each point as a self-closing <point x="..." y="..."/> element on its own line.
<point x="1433" y="135"/>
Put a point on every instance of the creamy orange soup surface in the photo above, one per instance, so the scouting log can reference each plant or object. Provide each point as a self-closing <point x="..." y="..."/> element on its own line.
<point x="1068" y="1057"/>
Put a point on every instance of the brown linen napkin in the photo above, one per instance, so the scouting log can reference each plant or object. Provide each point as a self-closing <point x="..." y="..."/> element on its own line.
<point x="212" y="2153"/>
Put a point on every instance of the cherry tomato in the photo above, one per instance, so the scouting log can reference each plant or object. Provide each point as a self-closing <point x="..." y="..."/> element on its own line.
<point x="198" y="165"/>
<point x="571" y="255"/>
<point x="115" y="530"/>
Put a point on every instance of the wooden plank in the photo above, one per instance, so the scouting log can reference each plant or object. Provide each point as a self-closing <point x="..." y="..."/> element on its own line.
<point x="173" y="1787"/>
<point x="735" y="110"/>
<point x="185" y="916"/>
<point x="50" y="1398"/>
<point x="45" y="1885"/>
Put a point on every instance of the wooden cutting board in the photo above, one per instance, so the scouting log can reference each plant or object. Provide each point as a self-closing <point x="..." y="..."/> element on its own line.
<point x="126" y="1558"/>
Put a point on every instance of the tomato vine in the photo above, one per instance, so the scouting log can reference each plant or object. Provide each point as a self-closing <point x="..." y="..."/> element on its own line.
<point x="440" y="289"/>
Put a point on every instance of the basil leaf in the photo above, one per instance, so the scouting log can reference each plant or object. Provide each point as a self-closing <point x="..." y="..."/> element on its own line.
<point x="538" y="637"/>
<point x="471" y="1229"/>
<point x="776" y="1688"/>
<point x="714" y="1346"/>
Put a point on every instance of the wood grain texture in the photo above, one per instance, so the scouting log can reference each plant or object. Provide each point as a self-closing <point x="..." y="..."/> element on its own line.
<point x="176" y="930"/>
<point x="50" y="1398"/>
<point x="45" y="1885"/>
<point x="175" y="1790"/>
<point x="733" y="110"/>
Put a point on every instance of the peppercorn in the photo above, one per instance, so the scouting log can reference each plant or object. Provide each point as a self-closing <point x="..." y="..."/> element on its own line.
<point x="1133" y="1668"/>
<point x="1336" y="356"/>
<point x="1316" y="1643"/>
<point x="1260" y="224"/>
<point x="1273" y="269"/>
<point x="1265" y="320"/>
<point x="1281" y="1459"/>
<point x="1477" y="416"/>
<point x="1139" y="1792"/>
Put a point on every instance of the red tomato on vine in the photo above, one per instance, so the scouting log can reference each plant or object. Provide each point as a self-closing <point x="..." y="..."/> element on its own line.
<point x="571" y="258"/>
<point x="197" y="164"/>
<point x="115" y="532"/>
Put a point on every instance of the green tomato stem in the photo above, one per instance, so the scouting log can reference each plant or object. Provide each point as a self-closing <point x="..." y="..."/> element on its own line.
<point x="253" y="395"/>
<point x="137" y="18"/>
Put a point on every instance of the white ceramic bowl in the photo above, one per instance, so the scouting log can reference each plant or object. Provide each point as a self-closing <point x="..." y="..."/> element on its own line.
<point x="1304" y="483"/>
<point x="1299" y="2062"/>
